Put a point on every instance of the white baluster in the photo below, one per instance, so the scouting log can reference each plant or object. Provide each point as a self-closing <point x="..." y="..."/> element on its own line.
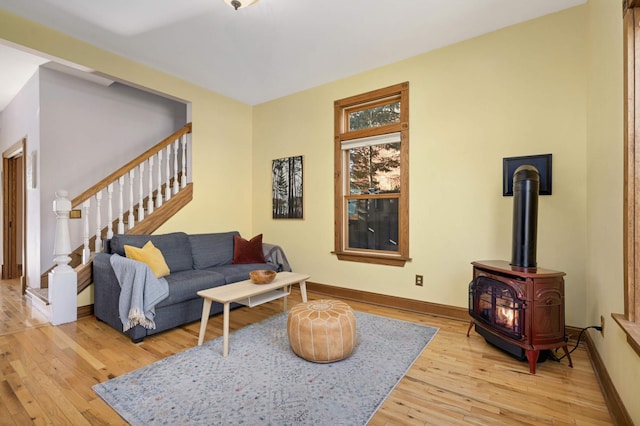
<point x="150" y="200"/>
<point x="132" y="219"/>
<point x="167" y="188"/>
<point x="141" y="195"/>
<point x="159" y="195"/>
<point x="183" y="181"/>
<point x="110" y="211"/>
<point x="121" y="206"/>
<point x="176" y="184"/>
<point x="86" y="252"/>
<point x="98" y="242"/>
<point x="62" y="241"/>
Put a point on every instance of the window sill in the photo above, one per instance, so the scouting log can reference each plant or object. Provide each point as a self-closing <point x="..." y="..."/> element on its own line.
<point x="372" y="258"/>
<point x="631" y="329"/>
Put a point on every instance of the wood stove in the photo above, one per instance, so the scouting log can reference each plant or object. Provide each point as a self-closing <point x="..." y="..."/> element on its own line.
<point x="520" y="310"/>
<point x="517" y="306"/>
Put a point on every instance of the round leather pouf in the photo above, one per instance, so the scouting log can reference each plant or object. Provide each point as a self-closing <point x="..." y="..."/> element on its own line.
<point x="322" y="330"/>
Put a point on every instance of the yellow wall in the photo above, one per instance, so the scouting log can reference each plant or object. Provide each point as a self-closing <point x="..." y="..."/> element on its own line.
<point x="605" y="197"/>
<point x="221" y="127"/>
<point x="518" y="91"/>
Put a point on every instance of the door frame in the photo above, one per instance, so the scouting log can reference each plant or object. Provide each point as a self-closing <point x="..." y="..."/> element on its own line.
<point x="10" y="176"/>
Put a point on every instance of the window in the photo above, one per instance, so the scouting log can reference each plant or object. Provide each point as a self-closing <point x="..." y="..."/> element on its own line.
<point x="630" y="321"/>
<point x="371" y="152"/>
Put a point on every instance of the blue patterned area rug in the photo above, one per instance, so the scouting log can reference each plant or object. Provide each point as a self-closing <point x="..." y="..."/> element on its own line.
<point x="263" y="382"/>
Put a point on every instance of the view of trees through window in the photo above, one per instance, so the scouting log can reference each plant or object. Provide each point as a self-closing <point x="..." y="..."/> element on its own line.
<point x="375" y="169"/>
<point x="374" y="116"/>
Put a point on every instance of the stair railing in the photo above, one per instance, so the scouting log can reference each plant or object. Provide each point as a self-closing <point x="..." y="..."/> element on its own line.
<point x="146" y="182"/>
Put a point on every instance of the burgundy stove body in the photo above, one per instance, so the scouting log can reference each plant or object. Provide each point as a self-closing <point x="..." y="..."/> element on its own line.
<point x="520" y="310"/>
<point x="517" y="306"/>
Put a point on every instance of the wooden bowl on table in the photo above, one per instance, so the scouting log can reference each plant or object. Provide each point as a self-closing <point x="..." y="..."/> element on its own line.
<point x="262" y="276"/>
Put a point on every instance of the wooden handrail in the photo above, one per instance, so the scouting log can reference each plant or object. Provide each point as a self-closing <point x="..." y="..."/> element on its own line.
<point x="186" y="129"/>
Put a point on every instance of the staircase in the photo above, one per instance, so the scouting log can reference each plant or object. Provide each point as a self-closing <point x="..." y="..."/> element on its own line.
<point x="156" y="186"/>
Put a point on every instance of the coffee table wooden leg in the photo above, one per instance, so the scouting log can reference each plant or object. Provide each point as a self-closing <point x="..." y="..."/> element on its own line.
<point x="303" y="290"/>
<point x="206" y="308"/>
<point x="225" y="330"/>
<point x="286" y="289"/>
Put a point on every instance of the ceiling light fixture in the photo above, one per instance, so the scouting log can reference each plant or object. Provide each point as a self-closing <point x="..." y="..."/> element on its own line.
<point x="237" y="4"/>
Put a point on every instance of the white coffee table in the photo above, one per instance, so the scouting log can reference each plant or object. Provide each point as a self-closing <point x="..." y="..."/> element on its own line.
<point x="248" y="294"/>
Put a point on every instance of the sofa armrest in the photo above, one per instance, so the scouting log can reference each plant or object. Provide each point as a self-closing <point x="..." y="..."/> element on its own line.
<point x="274" y="255"/>
<point x="106" y="296"/>
<point x="106" y="288"/>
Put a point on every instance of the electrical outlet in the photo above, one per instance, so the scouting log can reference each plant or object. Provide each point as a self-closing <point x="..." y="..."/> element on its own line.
<point x="419" y="280"/>
<point x="602" y="325"/>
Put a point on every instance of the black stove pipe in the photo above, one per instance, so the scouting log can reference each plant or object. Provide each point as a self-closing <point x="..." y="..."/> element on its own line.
<point x="526" y="186"/>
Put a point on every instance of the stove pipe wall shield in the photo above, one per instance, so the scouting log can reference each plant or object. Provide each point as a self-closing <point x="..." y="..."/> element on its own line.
<point x="526" y="186"/>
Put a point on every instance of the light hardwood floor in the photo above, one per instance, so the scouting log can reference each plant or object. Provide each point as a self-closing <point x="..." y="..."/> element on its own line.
<point x="15" y="313"/>
<point x="46" y="372"/>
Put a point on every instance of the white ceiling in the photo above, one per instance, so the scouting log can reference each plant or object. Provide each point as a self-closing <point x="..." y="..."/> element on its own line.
<point x="275" y="47"/>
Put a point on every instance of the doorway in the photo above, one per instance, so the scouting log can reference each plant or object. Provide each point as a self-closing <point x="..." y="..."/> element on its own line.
<point x="14" y="213"/>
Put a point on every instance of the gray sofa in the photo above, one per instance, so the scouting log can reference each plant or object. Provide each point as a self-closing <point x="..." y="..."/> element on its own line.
<point x="196" y="262"/>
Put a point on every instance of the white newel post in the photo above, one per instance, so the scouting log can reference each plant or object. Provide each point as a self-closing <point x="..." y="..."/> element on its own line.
<point x="63" y="280"/>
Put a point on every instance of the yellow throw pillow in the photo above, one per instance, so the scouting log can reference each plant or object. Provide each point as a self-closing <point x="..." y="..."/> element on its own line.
<point x="150" y="255"/>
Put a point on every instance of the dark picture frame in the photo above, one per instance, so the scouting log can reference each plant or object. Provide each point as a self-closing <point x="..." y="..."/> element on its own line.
<point x="542" y="162"/>
<point x="286" y="188"/>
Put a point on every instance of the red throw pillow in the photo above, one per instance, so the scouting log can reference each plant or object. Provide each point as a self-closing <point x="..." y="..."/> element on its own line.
<point x="247" y="251"/>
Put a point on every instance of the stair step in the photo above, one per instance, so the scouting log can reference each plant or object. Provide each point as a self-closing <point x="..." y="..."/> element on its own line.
<point x="39" y="299"/>
<point x="40" y="293"/>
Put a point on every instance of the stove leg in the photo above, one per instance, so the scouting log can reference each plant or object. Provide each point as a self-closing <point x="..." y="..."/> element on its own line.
<point x="532" y="357"/>
<point x="469" y="330"/>
<point x="566" y="352"/>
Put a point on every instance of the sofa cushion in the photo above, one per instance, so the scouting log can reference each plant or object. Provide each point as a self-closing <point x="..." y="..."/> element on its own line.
<point x="212" y="249"/>
<point x="247" y="251"/>
<point x="150" y="255"/>
<point x="175" y="248"/>
<point x="240" y="272"/>
<point x="185" y="285"/>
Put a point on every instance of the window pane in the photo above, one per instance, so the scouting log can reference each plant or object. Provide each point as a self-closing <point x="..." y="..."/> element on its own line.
<point x="375" y="116"/>
<point x="374" y="169"/>
<point x="373" y="224"/>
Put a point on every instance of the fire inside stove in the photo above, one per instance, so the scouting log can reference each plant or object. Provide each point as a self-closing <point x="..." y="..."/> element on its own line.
<point x="497" y="305"/>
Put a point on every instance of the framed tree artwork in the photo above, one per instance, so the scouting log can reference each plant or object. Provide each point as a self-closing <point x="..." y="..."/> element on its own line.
<point x="287" y="188"/>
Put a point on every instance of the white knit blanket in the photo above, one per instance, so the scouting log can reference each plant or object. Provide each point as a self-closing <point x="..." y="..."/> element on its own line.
<point x="140" y="292"/>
